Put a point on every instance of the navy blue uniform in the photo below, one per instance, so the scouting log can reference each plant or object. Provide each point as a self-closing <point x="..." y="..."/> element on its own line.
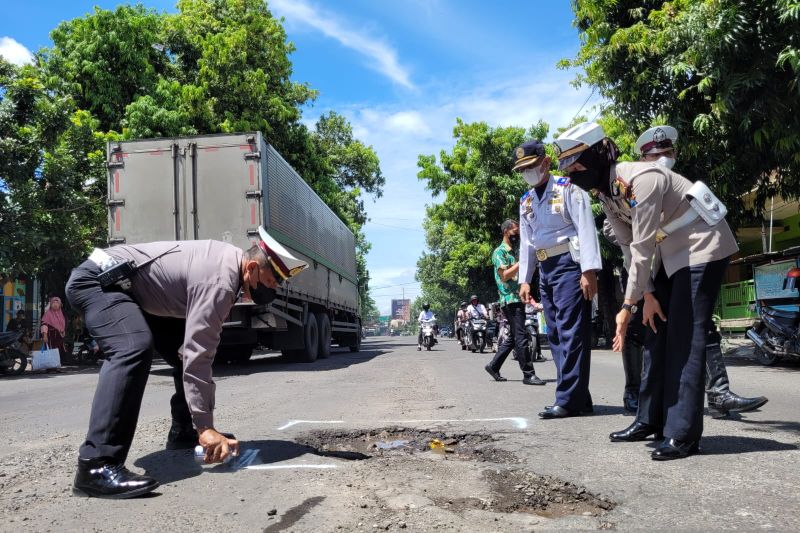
<point x="547" y="224"/>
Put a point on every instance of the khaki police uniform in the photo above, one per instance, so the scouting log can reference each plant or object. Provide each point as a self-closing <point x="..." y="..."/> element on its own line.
<point x="659" y="231"/>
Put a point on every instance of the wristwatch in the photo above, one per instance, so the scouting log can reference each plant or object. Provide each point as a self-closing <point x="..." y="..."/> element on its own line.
<point x="631" y="308"/>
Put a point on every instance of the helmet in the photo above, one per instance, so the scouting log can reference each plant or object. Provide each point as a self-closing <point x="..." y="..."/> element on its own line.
<point x="426" y="306"/>
<point x="473" y="298"/>
<point x="463" y="305"/>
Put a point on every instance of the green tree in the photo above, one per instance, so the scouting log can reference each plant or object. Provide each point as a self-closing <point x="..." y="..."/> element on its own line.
<point x="50" y="157"/>
<point x="724" y="72"/>
<point x="214" y="66"/>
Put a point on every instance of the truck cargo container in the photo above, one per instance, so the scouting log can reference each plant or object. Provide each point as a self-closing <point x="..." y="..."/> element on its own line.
<point x="223" y="187"/>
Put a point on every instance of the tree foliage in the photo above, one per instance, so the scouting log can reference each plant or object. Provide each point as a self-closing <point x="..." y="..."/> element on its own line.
<point x="723" y="72"/>
<point x="214" y="66"/>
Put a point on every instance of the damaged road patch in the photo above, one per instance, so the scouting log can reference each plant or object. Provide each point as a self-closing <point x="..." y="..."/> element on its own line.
<point x="500" y="484"/>
<point x="518" y="491"/>
<point x="399" y="441"/>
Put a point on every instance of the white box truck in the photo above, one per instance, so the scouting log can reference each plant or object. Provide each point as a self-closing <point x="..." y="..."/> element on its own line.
<point x="223" y="187"/>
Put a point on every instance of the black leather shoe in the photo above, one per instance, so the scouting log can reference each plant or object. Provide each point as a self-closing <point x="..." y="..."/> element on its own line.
<point x="533" y="380"/>
<point x="556" y="411"/>
<point x="721" y="404"/>
<point x="181" y="437"/>
<point x="674" y="449"/>
<point x="636" y="432"/>
<point x="97" y="478"/>
<point x="494" y="373"/>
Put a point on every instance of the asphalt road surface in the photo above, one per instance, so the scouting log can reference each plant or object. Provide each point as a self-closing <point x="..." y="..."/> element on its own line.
<point x="396" y="439"/>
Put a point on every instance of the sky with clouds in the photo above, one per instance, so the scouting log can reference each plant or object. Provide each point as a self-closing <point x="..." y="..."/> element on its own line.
<point x="401" y="72"/>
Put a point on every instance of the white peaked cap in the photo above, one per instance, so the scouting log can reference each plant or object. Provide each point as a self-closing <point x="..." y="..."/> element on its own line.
<point x="657" y="139"/>
<point x="285" y="264"/>
<point x="572" y="143"/>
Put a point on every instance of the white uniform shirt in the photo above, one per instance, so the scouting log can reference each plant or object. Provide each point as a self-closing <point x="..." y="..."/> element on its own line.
<point x="562" y="212"/>
<point x="426" y="315"/>
<point x="477" y="311"/>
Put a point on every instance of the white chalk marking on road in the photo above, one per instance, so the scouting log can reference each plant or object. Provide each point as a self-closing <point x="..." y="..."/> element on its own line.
<point x="296" y="422"/>
<point x="287" y="467"/>
<point x="518" y="421"/>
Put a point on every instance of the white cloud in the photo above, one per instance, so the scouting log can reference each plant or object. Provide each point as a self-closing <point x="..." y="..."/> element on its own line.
<point x="383" y="57"/>
<point x="14" y="52"/>
<point x="410" y="122"/>
<point x="401" y="132"/>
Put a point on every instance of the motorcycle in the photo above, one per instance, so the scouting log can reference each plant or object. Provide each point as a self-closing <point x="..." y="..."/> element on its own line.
<point x="428" y="333"/>
<point x="777" y="334"/>
<point x="13" y="361"/>
<point x="532" y="344"/>
<point x="476" y="335"/>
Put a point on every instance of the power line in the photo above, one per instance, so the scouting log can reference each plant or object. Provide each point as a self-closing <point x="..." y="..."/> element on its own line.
<point x="582" y="105"/>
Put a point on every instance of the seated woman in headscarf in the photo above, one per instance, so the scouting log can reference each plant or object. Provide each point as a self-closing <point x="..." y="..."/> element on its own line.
<point x="53" y="326"/>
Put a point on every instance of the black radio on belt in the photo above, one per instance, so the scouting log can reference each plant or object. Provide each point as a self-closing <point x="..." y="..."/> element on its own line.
<point x="117" y="274"/>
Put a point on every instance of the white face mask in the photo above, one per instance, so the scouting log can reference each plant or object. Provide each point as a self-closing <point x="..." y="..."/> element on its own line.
<point x="533" y="176"/>
<point x="668" y="162"/>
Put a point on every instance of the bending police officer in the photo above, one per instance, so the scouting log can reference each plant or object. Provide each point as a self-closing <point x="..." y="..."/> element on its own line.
<point x="647" y="206"/>
<point x="198" y="281"/>
<point x="657" y="144"/>
<point x="557" y="233"/>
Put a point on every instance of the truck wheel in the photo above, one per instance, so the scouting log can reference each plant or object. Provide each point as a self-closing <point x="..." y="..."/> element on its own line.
<point x="355" y="348"/>
<point x="308" y="354"/>
<point x="324" y="324"/>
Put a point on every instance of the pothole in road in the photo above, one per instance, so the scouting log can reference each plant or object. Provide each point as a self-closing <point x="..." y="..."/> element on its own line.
<point x="518" y="491"/>
<point x="398" y="441"/>
<point x="512" y="489"/>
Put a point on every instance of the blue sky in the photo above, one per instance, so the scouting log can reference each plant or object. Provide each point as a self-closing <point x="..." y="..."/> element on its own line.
<point x="401" y="72"/>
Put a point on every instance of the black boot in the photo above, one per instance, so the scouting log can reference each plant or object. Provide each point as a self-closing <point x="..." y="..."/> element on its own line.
<point x="721" y="401"/>
<point x="103" y="478"/>
<point x="181" y="437"/>
<point x="721" y="404"/>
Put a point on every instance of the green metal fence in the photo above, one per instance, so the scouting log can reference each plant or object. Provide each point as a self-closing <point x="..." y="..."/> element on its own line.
<point x="735" y="305"/>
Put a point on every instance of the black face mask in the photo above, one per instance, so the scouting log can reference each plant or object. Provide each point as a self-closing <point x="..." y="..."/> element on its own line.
<point x="261" y="294"/>
<point x="597" y="160"/>
<point x="588" y="179"/>
<point x="514" y="240"/>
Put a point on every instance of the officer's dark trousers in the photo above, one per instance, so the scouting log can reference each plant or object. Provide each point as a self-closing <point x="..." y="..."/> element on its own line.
<point x="515" y="314"/>
<point x="120" y="327"/>
<point x="568" y="316"/>
<point x="673" y="375"/>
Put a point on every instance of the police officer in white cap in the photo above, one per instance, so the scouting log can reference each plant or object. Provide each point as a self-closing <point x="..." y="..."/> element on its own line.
<point x="557" y="234"/>
<point x="655" y="211"/>
<point x="125" y="294"/>
<point x="657" y="144"/>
